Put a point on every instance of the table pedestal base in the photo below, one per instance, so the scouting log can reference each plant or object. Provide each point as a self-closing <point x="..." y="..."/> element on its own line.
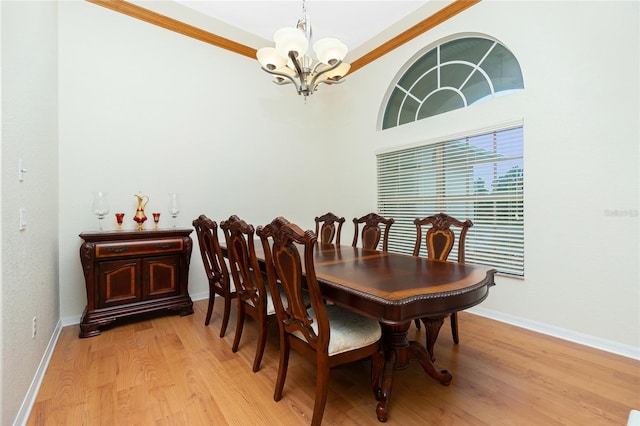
<point x="399" y="351"/>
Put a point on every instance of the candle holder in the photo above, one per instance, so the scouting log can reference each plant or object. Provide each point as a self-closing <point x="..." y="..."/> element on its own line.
<point x="100" y="206"/>
<point x="174" y="207"/>
<point x="156" y="219"/>
<point x="119" y="218"/>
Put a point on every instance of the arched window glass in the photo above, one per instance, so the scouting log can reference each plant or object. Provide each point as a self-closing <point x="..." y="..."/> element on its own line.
<point x="453" y="75"/>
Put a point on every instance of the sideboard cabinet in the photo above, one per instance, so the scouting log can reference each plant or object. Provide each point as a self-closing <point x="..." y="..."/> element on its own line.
<point x="128" y="273"/>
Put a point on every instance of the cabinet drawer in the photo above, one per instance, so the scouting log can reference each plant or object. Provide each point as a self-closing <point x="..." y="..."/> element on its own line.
<point x="134" y="248"/>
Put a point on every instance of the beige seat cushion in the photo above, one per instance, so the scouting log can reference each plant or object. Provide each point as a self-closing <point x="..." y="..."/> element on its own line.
<point x="348" y="330"/>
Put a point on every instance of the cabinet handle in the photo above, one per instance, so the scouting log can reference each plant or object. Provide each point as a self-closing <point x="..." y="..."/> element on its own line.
<point x="117" y="249"/>
<point x="165" y="246"/>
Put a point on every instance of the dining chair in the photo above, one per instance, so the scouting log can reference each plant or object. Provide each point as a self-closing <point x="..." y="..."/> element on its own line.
<point x="439" y="241"/>
<point x="253" y="297"/>
<point x="215" y="268"/>
<point x="328" y="230"/>
<point x="328" y="334"/>
<point x="371" y="231"/>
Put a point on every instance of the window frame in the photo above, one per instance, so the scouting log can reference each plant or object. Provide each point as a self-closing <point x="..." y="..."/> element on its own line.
<point x="395" y="91"/>
<point x="403" y="238"/>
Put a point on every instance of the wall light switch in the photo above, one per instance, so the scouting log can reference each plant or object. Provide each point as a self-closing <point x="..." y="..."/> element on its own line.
<point x="23" y="219"/>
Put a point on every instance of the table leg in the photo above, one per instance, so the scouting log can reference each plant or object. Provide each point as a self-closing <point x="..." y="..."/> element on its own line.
<point x="398" y="352"/>
<point x="432" y="328"/>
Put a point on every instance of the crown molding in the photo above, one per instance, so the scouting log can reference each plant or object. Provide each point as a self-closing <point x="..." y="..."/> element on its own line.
<point x="146" y="15"/>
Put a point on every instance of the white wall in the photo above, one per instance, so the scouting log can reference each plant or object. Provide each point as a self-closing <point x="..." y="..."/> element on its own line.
<point x="30" y="132"/>
<point x="145" y="109"/>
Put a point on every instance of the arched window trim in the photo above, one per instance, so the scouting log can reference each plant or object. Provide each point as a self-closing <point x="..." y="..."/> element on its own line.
<point x="436" y="45"/>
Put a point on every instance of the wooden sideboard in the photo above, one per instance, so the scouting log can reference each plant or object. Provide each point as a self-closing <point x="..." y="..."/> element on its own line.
<point x="134" y="272"/>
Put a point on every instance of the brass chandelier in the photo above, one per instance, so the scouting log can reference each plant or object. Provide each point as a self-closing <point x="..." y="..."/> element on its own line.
<point x="289" y="63"/>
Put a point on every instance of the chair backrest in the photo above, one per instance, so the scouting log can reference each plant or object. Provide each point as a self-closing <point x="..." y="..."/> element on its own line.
<point x="371" y="231"/>
<point x="327" y="231"/>
<point x="243" y="262"/>
<point x="440" y="238"/>
<point x="284" y="265"/>
<point x="212" y="258"/>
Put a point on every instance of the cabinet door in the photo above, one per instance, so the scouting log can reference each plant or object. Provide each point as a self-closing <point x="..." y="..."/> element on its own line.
<point x="118" y="282"/>
<point x="162" y="276"/>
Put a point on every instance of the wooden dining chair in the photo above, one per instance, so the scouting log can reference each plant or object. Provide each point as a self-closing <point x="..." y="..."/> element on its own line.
<point x="254" y="299"/>
<point x="215" y="268"/>
<point x="329" y="334"/>
<point x="372" y="232"/>
<point x="439" y="240"/>
<point x="328" y="230"/>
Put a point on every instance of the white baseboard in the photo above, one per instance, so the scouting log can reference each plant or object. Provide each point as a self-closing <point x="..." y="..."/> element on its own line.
<point x="561" y="333"/>
<point x="34" y="387"/>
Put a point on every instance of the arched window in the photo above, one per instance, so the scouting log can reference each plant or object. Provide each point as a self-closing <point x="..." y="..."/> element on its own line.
<point x="453" y="75"/>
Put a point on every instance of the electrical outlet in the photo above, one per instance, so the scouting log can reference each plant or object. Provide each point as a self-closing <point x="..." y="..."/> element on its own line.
<point x="34" y="327"/>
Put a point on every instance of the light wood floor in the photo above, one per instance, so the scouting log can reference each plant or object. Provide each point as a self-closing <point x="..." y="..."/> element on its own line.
<point x="173" y="370"/>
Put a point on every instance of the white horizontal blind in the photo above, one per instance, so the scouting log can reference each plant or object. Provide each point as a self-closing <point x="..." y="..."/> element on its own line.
<point x="478" y="177"/>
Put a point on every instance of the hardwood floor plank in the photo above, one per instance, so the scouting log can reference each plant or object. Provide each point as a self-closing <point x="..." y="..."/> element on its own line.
<point x="172" y="370"/>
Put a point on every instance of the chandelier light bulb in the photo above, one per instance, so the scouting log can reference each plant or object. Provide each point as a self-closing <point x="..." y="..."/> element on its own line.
<point x="270" y="59"/>
<point x="339" y="72"/>
<point x="330" y="50"/>
<point x="290" y="39"/>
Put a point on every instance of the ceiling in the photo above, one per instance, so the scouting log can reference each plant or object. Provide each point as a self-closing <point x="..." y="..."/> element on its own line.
<point x="353" y="22"/>
<point x="370" y="29"/>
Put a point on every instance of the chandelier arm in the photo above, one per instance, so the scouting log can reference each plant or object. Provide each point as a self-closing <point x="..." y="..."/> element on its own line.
<point x="329" y="81"/>
<point x="301" y="75"/>
<point x="317" y="76"/>
<point x="279" y="74"/>
<point x="315" y="67"/>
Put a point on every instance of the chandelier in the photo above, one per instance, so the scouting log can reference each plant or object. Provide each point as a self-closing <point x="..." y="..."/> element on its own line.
<point x="289" y="63"/>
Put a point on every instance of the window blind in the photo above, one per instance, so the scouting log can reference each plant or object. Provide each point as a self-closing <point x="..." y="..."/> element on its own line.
<point x="478" y="177"/>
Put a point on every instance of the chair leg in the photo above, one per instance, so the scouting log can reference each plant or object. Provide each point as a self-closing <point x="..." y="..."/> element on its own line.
<point x="225" y="318"/>
<point x="212" y="299"/>
<point x="239" y="326"/>
<point x="454" y="327"/>
<point x="262" y="342"/>
<point x="282" y="366"/>
<point x="322" y="389"/>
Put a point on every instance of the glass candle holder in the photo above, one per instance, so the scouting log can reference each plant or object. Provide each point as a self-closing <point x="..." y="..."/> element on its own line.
<point x="156" y="219"/>
<point x="119" y="218"/>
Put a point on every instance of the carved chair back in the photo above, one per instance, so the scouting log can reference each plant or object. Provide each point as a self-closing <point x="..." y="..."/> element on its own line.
<point x="253" y="297"/>
<point x="440" y="238"/>
<point x="214" y="266"/>
<point x="372" y="232"/>
<point x="328" y="230"/>
<point x="242" y="261"/>
<point x="284" y="265"/>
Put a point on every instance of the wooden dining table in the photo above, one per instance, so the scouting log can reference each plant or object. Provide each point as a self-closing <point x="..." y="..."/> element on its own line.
<point x="395" y="289"/>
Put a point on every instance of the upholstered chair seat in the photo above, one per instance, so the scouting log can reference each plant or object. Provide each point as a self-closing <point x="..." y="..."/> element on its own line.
<point x="349" y="330"/>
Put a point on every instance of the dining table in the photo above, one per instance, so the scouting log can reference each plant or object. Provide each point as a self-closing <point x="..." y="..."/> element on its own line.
<point x="396" y="289"/>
